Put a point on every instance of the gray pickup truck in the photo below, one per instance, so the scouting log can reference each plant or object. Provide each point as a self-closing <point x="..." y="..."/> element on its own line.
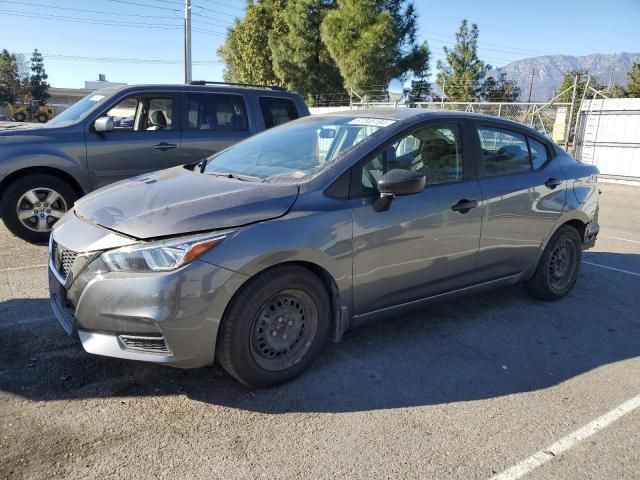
<point x="116" y="133"/>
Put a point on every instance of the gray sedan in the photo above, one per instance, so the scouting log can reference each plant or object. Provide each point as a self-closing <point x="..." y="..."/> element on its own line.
<point x="263" y="252"/>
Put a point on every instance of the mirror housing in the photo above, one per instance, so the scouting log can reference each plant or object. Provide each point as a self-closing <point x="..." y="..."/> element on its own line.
<point x="397" y="182"/>
<point x="104" y="124"/>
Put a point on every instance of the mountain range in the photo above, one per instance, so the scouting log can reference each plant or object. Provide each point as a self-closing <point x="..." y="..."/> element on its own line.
<point x="550" y="70"/>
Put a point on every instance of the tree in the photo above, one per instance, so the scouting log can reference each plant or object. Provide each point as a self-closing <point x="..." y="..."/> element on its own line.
<point x="420" y="91"/>
<point x="499" y="89"/>
<point x="38" y="80"/>
<point x="9" y="78"/>
<point x="301" y="60"/>
<point x="245" y="51"/>
<point x="616" y="91"/>
<point x="373" y="41"/>
<point x="463" y="71"/>
<point x="583" y="77"/>
<point x="633" y="88"/>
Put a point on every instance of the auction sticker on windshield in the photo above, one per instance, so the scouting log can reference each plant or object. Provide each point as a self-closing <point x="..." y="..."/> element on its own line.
<point x="372" y="122"/>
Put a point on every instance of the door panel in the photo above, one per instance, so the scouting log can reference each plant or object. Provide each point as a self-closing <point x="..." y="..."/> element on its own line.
<point x="144" y="140"/>
<point x="418" y="248"/>
<point x="212" y="122"/>
<point x="518" y="213"/>
<point x="421" y="246"/>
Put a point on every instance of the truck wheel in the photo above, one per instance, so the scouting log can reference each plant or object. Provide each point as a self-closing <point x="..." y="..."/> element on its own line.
<point x="33" y="204"/>
<point x="42" y="118"/>
<point x="274" y="327"/>
<point x="558" y="268"/>
<point x="19" y="117"/>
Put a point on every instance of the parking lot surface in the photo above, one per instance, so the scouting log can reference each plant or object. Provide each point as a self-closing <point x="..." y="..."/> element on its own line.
<point x="496" y="384"/>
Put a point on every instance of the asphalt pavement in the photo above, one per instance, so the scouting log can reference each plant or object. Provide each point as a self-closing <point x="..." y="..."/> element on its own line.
<point x="493" y="385"/>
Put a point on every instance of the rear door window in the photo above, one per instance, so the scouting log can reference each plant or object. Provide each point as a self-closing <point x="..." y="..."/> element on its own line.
<point x="503" y="151"/>
<point x="216" y="112"/>
<point x="276" y="111"/>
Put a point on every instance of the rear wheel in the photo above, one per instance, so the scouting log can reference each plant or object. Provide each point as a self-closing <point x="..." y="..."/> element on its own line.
<point x="558" y="268"/>
<point x="275" y="327"/>
<point x="33" y="204"/>
<point x="42" y="118"/>
<point x="19" y="117"/>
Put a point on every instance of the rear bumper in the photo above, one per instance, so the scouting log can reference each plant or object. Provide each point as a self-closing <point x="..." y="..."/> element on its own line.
<point x="169" y="318"/>
<point x="590" y="235"/>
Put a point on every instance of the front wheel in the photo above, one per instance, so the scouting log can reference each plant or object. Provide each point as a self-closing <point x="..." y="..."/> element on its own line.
<point x="33" y="204"/>
<point x="558" y="268"/>
<point x="274" y="327"/>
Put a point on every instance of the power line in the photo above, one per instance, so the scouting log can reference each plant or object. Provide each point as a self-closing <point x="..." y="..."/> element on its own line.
<point x="225" y="5"/>
<point x="114" y="23"/>
<point x="217" y="12"/>
<point x="86" y="11"/>
<point x="117" y="23"/>
<point x="147" y="5"/>
<point x="150" y="61"/>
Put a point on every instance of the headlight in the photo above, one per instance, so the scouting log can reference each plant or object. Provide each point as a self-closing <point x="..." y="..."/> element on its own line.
<point x="160" y="256"/>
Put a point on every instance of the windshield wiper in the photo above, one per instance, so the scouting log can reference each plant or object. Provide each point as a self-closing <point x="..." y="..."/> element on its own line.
<point x="235" y="176"/>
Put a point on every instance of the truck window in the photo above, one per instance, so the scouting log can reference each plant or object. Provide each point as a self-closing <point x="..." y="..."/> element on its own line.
<point x="276" y="111"/>
<point x="216" y="112"/>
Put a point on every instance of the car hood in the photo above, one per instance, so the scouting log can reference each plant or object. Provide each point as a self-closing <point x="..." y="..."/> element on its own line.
<point x="179" y="201"/>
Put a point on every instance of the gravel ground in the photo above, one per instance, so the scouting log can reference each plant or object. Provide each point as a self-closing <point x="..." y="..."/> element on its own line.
<point x="461" y="390"/>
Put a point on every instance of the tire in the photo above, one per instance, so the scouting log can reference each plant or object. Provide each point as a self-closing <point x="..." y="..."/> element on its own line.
<point x="20" y="117"/>
<point x="15" y="198"/>
<point x="559" y="266"/>
<point x="42" y="118"/>
<point x="253" y="346"/>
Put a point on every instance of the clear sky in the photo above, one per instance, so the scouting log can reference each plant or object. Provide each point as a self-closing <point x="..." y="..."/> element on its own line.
<point x="79" y="39"/>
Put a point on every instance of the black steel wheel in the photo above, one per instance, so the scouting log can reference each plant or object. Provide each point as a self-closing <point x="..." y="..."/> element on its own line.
<point x="283" y="330"/>
<point x="559" y="266"/>
<point x="275" y="326"/>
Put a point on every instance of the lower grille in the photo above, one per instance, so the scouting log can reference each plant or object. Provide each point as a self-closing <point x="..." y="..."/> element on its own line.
<point x="144" y="344"/>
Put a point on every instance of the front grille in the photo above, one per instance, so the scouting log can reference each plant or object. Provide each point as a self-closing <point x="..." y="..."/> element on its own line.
<point x="64" y="260"/>
<point x="67" y="259"/>
<point x="144" y="344"/>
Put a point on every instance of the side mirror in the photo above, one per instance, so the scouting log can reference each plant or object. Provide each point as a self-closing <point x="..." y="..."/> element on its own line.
<point x="397" y="182"/>
<point x="104" y="124"/>
<point x="327" y="133"/>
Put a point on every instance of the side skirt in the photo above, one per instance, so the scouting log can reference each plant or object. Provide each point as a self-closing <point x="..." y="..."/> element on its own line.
<point x="361" y="319"/>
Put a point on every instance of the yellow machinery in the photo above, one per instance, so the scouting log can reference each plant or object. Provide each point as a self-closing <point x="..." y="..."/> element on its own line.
<point x="34" y="110"/>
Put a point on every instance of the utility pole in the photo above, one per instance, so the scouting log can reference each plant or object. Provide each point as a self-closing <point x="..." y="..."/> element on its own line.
<point x="531" y="85"/>
<point x="187" y="41"/>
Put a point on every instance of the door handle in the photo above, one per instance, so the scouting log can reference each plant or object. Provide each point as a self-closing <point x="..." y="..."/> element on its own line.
<point x="464" y="205"/>
<point x="552" y="183"/>
<point x="164" y="146"/>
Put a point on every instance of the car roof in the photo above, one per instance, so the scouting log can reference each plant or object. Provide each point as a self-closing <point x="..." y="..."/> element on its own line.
<point x="422" y="114"/>
<point x="155" y="87"/>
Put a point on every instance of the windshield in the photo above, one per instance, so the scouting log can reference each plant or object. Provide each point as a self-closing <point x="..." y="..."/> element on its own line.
<point x="295" y="150"/>
<point x="76" y="111"/>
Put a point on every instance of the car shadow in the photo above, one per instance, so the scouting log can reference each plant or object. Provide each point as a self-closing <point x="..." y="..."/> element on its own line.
<point x="493" y="344"/>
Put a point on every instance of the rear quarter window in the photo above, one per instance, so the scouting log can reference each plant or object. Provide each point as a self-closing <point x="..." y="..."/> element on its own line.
<point x="276" y="111"/>
<point x="539" y="153"/>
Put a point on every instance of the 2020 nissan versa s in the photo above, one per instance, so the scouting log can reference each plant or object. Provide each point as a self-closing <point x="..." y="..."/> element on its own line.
<point x="261" y="253"/>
